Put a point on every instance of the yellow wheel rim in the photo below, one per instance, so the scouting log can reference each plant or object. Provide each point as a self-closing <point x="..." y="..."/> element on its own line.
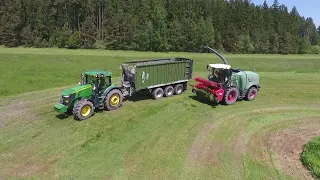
<point x="114" y="100"/>
<point x="85" y="111"/>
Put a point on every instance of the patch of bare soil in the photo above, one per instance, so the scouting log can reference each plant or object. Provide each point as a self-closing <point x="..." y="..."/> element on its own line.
<point x="288" y="145"/>
<point x="15" y="109"/>
<point x="31" y="167"/>
<point x="203" y="150"/>
<point x="34" y="166"/>
<point x="240" y="143"/>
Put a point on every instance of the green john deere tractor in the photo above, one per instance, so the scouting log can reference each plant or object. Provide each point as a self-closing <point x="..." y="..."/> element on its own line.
<point x="94" y="91"/>
<point x="227" y="85"/>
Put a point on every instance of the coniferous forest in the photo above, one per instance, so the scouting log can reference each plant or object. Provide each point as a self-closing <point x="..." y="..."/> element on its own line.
<point x="235" y="26"/>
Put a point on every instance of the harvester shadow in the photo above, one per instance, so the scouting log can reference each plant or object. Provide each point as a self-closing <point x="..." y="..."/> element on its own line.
<point x="204" y="101"/>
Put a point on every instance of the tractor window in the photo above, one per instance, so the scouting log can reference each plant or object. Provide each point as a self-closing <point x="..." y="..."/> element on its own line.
<point x="108" y="81"/>
<point x="90" y="80"/>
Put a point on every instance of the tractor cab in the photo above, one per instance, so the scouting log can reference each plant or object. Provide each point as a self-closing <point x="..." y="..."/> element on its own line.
<point x="99" y="80"/>
<point x="220" y="73"/>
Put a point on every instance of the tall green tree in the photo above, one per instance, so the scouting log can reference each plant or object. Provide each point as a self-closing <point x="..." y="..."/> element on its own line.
<point x="235" y="26"/>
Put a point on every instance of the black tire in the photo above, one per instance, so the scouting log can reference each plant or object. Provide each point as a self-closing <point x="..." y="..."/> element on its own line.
<point x="178" y="89"/>
<point x="168" y="91"/>
<point x="251" y="94"/>
<point x="113" y="100"/>
<point x="69" y="112"/>
<point x="84" y="109"/>
<point x="157" y="93"/>
<point x="230" y="96"/>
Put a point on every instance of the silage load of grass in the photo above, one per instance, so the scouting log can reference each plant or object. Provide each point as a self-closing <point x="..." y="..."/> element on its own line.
<point x="310" y="157"/>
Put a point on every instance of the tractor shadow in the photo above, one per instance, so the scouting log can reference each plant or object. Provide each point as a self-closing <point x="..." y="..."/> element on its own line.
<point x="204" y="101"/>
<point x="63" y="116"/>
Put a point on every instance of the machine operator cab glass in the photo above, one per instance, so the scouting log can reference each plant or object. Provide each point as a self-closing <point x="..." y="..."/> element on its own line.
<point x="99" y="80"/>
<point x="219" y="72"/>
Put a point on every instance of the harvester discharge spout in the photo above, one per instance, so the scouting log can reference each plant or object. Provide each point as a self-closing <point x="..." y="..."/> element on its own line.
<point x="218" y="54"/>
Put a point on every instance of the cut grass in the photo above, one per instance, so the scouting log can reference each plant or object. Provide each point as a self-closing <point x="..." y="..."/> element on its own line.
<point x="311" y="156"/>
<point x="172" y="138"/>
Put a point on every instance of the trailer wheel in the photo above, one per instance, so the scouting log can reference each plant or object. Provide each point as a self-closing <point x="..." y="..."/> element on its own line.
<point x="157" y="93"/>
<point x="178" y="89"/>
<point x="83" y="110"/>
<point x="230" y="96"/>
<point x="113" y="100"/>
<point x="251" y="94"/>
<point x="168" y="91"/>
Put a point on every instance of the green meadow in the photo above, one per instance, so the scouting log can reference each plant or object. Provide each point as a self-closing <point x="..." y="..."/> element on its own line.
<point x="172" y="138"/>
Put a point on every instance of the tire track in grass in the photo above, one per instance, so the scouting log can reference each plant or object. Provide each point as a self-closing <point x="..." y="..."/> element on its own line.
<point x="278" y="143"/>
<point x="225" y="141"/>
<point x="288" y="144"/>
<point x="203" y="151"/>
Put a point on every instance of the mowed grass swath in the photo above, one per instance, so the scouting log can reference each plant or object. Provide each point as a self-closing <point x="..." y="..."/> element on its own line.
<point x="171" y="138"/>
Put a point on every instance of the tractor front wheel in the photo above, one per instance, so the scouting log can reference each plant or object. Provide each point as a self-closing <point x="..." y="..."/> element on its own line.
<point x="113" y="100"/>
<point x="83" y="110"/>
<point x="231" y="96"/>
<point x="251" y="94"/>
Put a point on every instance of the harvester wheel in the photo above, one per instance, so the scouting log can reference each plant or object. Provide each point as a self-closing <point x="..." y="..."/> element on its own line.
<point x="83" y="110"/>
<point x="178" y="89"/>
<point x="251" y="94"/>
<point x="230" y="96"/>
<point x="157" y="93"/>
<point x="113" y="100"/>
<point x="168" y="91"/>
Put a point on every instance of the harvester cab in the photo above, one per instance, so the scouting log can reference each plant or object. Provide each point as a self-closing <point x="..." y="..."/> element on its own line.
<point x="225" y="84"/>
<point x="220" y="73"/>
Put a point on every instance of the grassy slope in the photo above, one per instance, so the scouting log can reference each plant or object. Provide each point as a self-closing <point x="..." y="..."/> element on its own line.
<point x="311" y="158"/>
<point x="174" y="138"/>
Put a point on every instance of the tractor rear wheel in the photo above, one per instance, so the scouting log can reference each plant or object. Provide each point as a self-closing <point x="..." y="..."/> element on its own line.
<point x="168" y="91"/>
<point x="178" y="89"/>
<point x="231" y="96"/>
<point x="251" y="94"/>
<point x="83" y="109"/>
<point x="157" y="93"/>
<point x="113" y="100"/>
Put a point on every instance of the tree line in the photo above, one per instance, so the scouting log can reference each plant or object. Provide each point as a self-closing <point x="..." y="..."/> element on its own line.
<point x="235" y="26"/>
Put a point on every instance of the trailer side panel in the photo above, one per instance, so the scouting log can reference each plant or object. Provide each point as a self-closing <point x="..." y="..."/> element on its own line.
<point x="156" y="73"/>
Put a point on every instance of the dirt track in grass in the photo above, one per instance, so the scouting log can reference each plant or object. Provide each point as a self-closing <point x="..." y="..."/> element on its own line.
<point x="204" y="151"/>
<point x="288" y="144"/>
<point x="277" y="143"/>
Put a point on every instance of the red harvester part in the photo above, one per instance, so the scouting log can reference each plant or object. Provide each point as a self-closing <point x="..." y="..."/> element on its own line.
<point x="210" y="87"/>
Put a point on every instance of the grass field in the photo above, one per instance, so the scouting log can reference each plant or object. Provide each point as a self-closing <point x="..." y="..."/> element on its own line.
<point x="172" y="138"/>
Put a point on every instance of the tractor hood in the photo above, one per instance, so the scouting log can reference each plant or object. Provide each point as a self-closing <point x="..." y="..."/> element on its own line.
<point x="76" y="89"/>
